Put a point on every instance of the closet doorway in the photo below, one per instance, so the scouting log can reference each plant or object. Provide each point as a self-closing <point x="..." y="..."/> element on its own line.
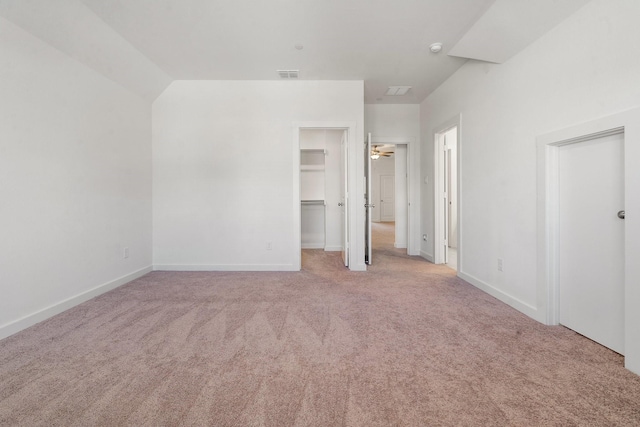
<point x="323" y="192"/>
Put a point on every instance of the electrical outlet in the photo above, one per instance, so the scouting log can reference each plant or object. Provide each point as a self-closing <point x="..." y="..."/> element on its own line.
<point x="125" y="253"/>
<point x="269" y="246"/>
<point x="499" y="264"/>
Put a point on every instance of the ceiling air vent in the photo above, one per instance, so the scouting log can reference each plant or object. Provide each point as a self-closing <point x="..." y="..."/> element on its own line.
<point x="397" y="90"/>
<point x="288" y="74"/>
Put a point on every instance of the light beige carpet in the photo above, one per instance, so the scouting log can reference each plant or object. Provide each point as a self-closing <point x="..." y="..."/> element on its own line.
<point x="406" y="343"/>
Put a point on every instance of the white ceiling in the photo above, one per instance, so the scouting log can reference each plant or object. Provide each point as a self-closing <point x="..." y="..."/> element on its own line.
<point x="501" y="32"/>
<point x="145" y="44"/>
<point x="71" y="27"/>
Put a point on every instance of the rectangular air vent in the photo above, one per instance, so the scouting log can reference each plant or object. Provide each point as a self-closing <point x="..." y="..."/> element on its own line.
<point x="288" y="74"/>
<point x="397" y="90"/>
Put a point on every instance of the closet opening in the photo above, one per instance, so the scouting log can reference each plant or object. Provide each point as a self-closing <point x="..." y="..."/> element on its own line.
<point x="323" y="191"/>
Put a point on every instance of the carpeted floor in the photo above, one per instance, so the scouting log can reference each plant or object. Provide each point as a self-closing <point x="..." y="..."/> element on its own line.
<point x="406" y="343"/>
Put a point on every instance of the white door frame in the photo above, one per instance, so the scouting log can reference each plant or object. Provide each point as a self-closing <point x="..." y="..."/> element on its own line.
<point x="439" y="255"/>
<point x="413" y="187"/>
<point x="368" y="201"/>
<point x="351" y="208"/>
<point x="547" y="221"/>
<point x="344" y="220"/>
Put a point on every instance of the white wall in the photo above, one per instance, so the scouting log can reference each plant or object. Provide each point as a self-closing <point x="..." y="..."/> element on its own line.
<point x="400" y="124"/>
<point x="585" y="68"/>
<point x="402" y="196"/>
<point x="224" y="167"/>
<point x="398" y="120"/>
<point x="75" y="181"/>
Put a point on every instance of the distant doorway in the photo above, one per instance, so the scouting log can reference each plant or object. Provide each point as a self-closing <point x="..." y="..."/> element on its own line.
<point x="446" y="189"/>
<point x="390" y="191"/>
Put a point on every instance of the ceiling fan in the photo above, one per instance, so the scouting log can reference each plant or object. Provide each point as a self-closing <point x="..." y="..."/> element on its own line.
<point x="376" y="153"/>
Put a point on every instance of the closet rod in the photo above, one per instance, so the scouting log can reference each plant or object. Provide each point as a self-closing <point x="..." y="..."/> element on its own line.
<point x="312" y="202"/>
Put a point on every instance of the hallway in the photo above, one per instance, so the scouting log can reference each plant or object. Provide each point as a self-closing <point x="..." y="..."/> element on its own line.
<point x="383" y="252"/>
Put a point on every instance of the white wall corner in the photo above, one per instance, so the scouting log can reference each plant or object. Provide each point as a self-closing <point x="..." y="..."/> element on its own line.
<point x="44" y="314"/>
<point x="521" y="306"/>
<point x="427" y="256"/>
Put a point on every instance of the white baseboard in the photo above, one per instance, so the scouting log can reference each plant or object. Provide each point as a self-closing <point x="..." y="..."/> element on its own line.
<point x="521" y="306"/>
<point x="333" y="248"/>
<point x="400" y="245"/>
<point x="426" y="256"/>
<point x="224" y="267"/>
<point x="31" y="319"/>
<point x="312" y="246"/>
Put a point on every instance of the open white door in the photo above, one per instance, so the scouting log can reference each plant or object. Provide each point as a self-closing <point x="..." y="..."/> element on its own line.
<point x="445" y="201"/>
<point x="446" y="142"/>
<point x="367" y="199"/>
<point x="344" y="200"/>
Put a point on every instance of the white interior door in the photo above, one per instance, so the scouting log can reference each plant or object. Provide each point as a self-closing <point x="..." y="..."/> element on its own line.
<point x="368" y="206"/>
<point x="445" y="200"/>
<point x="591" y="239"/>
<point x="452" y="178"/>
<point x="344" y="200"/>
<point x="387" y="198"/>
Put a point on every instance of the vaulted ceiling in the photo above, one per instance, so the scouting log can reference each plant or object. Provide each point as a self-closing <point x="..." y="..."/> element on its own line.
<point x="145" y="44"/>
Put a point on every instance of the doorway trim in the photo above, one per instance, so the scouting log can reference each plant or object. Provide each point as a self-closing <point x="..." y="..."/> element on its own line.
<point x="352" y="212"/>
<point x="547" y="220"/>
<point x="438" y="203"/>
<point x="413" y="187"/>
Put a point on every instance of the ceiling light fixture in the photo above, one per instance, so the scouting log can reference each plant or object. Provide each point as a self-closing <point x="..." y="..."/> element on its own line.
<point x="435" y="47"/>
<point x="299" y="46"/>
<point x="397" y="90"/>
<point x="375" y="156"/>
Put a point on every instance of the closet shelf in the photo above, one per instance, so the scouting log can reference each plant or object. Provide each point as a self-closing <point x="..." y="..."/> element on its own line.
<point x="312" y="202"/>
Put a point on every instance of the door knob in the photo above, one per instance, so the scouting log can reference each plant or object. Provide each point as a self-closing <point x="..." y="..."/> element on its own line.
<point x="340" y="204"/>
<point x="621" y="214"/>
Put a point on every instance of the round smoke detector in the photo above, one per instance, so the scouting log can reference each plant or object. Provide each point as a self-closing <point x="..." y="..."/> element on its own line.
<point x="435" y="47"/>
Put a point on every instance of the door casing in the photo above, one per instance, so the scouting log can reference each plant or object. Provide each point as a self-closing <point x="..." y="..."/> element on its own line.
<point x="546" y="309"/>
<point x="440" y="231"/>
<point x="352" y="210"/>
<point x="413" y="187"/>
